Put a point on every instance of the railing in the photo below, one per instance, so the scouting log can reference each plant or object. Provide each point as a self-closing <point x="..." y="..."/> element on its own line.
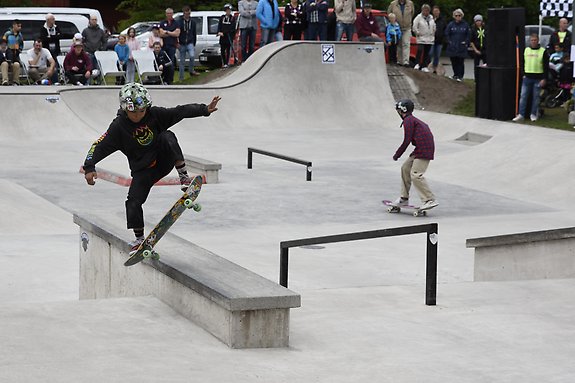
<point x="431" y="254"/>
<point x="281" y="157"/>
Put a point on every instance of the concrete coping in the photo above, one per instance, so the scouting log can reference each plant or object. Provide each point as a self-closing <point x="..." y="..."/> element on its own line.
<point x="219" y="280"/>
<point x="513" y="239"/>
<point x="201" y="163"/>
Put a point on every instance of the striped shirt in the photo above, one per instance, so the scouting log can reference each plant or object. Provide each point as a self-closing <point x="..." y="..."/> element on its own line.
<point x="416" y="132"/>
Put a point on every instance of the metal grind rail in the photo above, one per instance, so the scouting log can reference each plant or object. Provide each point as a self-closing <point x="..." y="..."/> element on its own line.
<point x="281" y="157"/>
<point x="431" y="254"/>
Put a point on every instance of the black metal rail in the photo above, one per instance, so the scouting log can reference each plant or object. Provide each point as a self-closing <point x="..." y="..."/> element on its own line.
<point x="281" y="157"/>
<point x="431" y="254"/>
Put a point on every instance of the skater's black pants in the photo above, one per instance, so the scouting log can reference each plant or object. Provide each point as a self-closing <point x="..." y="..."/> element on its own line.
<point x="169" y="152"/>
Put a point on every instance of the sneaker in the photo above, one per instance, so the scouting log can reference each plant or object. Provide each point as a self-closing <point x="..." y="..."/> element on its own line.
<point x="533" y="117"/>
<point x="428" y="205"/>
<point x="458" y="79"/>
<point x="426" y="70"/>
<point x="518" y="118"/>
<point x="401" y="202"/>
<point x="135" y="244"/>
<point x="185" y="181"/>
<point x="416" y="67"/>
<point x="4" y="82"/>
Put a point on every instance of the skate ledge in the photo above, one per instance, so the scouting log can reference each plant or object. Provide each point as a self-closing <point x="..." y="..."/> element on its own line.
<point x="546" y="254"/>
<point x="511" y="239"/>
<point x="239" y="307"/>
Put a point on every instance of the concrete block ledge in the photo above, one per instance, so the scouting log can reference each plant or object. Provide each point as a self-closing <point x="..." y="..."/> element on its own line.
<point x="239" y="307"/>
<point x="546" y="254"/>
<point x="209" y="169"/>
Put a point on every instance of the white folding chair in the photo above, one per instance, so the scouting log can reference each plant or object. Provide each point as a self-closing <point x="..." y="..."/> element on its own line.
<point x="145" y="65"/>
<point x="108" y="63"/>
<point x="61" y="70"/>
<point x="24" y="66"/>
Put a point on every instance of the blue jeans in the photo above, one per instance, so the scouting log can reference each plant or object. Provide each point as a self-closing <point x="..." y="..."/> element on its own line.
<point x="248" y="47"/>
<point x="436" y="53"/>
<point x="267" y="36"/>
<point x="529" y="88"/>
<point x="186" y="48"/>
<point x="347" y="28"/>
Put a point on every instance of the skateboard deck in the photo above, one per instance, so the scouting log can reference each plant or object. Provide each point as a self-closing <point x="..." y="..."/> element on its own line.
<point x="414" y="210"/>
<point x="186" y="201"/>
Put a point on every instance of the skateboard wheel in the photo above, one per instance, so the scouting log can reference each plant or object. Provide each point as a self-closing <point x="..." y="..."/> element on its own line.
<point x="147" y="253"/>
<point x="197" y="207"/>
<point x="155" y="256"/>
<point x="416" y="214"/>
<point x="188" y="203"/>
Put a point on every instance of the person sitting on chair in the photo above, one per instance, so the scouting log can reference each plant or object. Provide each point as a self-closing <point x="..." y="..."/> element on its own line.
<point x="78" y="65"/>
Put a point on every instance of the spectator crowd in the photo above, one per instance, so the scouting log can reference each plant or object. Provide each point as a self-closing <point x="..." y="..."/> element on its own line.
<point x="307" y="20"/>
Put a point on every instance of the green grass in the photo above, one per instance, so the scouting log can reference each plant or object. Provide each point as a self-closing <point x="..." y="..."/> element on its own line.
<point x="556" y="118"/>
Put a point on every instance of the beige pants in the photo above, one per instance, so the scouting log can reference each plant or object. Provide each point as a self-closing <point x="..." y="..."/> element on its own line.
<point x="37" y="74"/>
<point x="412" y="170"/>
<point x="404" y="47"/>
<point x="5" y="67"/>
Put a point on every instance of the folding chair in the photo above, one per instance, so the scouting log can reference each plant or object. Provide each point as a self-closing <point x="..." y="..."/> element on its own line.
<point x="24" y="66"/>
<point x="108" y="63"/>
<point x="61" y="70"/>
<point x="145" y="65"/>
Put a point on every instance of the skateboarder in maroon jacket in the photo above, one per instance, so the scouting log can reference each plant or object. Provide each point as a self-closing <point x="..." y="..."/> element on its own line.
<point x="140" y="131"/>
<point x="416" y="132"/>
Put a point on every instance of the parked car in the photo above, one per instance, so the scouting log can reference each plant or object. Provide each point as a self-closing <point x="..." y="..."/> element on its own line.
<point x="206" y="30"/>
<point x="32" y="24"/>
<point x="143" y="31"/>
<point x="546" y="32"/>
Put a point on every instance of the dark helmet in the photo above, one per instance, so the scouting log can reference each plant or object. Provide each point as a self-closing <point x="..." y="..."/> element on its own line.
<point x="405" y="106"/>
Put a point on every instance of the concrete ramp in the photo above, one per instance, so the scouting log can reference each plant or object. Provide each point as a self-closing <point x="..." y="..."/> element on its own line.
<point x="39" y="116"/>
<point x="285" y="84"/>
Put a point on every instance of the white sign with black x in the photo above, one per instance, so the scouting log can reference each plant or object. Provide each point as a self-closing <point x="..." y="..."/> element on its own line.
<point x="328" y="53"/>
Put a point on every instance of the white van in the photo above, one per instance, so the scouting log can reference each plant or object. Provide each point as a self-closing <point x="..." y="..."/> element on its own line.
<point x="32" y="24"/>
<point x="206" y="30"/>
<point x="56" y="11"/>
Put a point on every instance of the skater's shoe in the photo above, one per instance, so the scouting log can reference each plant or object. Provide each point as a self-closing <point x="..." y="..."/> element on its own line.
<point x="401" y="202"/>
<point x="185" y="181"/>
<point x="135" y="244"/>
<point x="428" y="205"/>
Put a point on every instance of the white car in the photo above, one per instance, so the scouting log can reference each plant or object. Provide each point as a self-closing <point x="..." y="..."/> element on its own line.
<point x="546" y="32"/>
<point x="206" y="31"/>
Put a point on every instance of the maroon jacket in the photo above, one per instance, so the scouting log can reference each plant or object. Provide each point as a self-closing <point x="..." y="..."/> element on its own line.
<point x="366" y="25"/>
<point x="416" y="132"/>
<point x="83" y="62"/>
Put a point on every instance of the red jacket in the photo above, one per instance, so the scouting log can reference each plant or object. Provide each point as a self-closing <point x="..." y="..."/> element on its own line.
<point x="82" y="61"/>
<point x="366" y="25"/>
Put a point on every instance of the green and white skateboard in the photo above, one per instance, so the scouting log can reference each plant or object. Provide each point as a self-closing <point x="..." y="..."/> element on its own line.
<point x="186" y="201"/>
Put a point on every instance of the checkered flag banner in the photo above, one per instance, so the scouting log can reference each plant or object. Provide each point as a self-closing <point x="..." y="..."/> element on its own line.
<point x="560" y="8"/>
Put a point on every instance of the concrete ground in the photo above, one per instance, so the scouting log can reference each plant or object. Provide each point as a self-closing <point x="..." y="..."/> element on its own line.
<point x="363" y="317"/>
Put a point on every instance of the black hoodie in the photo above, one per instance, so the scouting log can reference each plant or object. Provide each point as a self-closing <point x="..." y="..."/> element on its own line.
<point x="139" y="141"/>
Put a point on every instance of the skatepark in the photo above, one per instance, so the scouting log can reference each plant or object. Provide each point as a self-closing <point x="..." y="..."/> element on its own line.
<point x="362" y="315"/>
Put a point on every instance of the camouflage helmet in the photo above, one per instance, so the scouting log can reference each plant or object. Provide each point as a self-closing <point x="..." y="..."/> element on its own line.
<point x="134" y="96"/>
<point x="405" y="106"/>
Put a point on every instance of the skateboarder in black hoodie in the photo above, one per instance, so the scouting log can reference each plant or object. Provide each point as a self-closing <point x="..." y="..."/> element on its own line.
<point x="140" y="131"/>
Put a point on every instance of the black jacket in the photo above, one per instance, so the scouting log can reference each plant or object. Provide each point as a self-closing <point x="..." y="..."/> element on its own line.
<point x="187" y="32"/>
<point x="139" y="141"/>
<point x="51" y="41"/>
<point x="440" y="25"/>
